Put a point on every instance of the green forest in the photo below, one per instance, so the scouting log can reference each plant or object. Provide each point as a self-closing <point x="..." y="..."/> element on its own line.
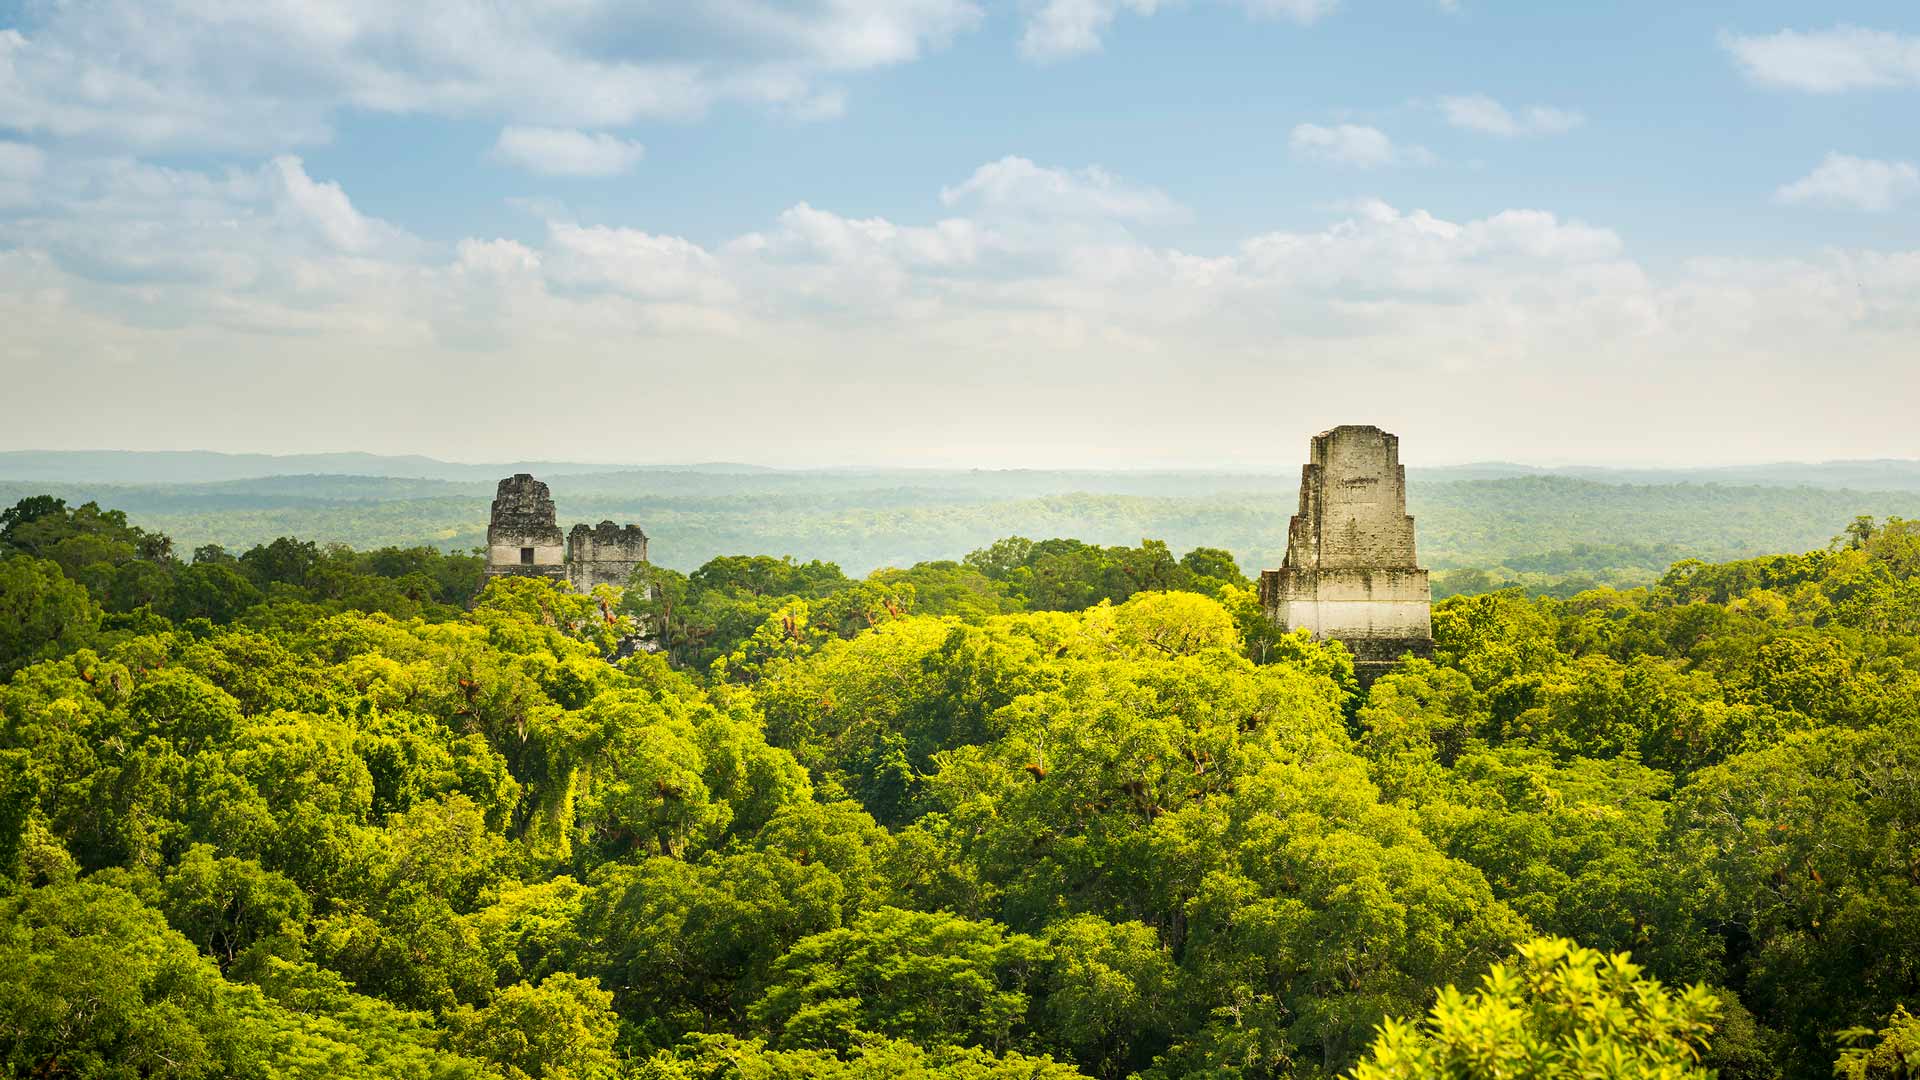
<point x="1051" y="810"/>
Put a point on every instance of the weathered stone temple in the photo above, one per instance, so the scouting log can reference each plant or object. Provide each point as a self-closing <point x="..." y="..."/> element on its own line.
<point x="522" y="539"/>
<point x="1350" y="572"/>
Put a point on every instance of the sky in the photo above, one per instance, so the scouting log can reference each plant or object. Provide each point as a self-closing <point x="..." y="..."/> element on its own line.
<point x="973" y="233"/>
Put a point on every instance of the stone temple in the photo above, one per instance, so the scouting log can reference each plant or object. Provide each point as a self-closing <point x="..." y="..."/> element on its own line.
<point x="1350" y="572"/>
<point x="523" y="540"/>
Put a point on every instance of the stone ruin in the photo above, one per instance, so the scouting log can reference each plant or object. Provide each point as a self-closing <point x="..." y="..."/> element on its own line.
<point x="606" y="554"/>
<point x="1350" y="573"/>
<point x="523" y="540"/>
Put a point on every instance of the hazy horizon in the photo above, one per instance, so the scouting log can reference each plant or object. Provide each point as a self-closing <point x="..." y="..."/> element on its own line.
<point x="689" y="465"/>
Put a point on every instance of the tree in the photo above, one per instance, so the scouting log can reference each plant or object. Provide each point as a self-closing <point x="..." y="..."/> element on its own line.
<point x="708" y="1056"/>
<point x="94" y="984"/>
<point x="949" y="588"/>
<point x="1892" y="1053"/>
<point x="1109" y="993"/>
<point x="1806" y="849"/>
<point x="1213" y="565"/>
<point x="1173" y="623"/>
<point x="1560" y="1012"/>
<point x="214" y="591"/>
<point x="928" y="977"/>
<point x="15" y="518"/>
<point x="561" y="1029"/>
<point x="228" y="906"/>
<point x="689" y="947"/>
<point x="285" y="560"/>
<point x="42" y="614"/>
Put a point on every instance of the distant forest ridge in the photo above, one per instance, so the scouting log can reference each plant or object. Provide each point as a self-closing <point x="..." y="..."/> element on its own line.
<point x="196" y="467"/>
<point x="1477" y="529"/>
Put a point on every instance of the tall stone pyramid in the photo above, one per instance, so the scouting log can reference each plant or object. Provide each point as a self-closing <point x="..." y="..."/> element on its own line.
<point x="1350" y="574"/>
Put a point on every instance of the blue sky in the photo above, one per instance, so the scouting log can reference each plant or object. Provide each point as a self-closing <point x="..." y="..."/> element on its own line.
<point x="1677" y="144"/>
<point x="1046" y="232"/>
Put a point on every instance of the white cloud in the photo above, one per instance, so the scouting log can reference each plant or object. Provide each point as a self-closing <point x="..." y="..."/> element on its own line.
<point x="828" y="104"/>
<point x="633" y="262"/>
<point x="1016" y="185"/>
<point x="566" y="152"/>
<point x="1478" y="112"/>
<point x="1854" y="183"/>
<point x="139" y="279"/>
<point x="1382" y="251"/>
<point x="323" y="207"/>
<point x="1031" y="246"/>
<point x="495" y="258"/>
<point x="808" y="233"/>
<point x="21" y="161"/>
<point x="183" y="73"/>
<point x="20" y="165"/>
<point x="1358" y="145"/>
<point x="1062" y="28"/>
<point x="1056" y="29"/>
<point x="262" y="250"/>
<point x="1828" y="61"/>
<point x="1300" y="11"/>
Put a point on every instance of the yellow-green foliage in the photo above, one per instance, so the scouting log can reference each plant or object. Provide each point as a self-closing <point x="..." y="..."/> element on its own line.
<point x="1558" y="1012"/>
<point x="1143" y="835"/>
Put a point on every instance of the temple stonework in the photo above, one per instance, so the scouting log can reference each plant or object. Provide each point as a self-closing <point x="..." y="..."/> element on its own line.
<point x="1350" y="572"/>
<point x="523" y="540"/>
<point x="521" y="536"/>
<point x="606" y="554"/>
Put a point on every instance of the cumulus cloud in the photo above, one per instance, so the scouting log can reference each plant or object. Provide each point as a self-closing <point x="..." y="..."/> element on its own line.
<point x="1357" y="145"/>
<point x="20" y="165"/>
<point x="323" y="208"/>
<point x="1854" y="183"/>
<point x="634" y="262"/>
<point x="268" y="250"/>
<point x="1021" y="274"/>
<point x="1056" y="29"/>
<point x="189" y="74"/>
<point x="566" y="152"/>
<point x="1017" y="185"/>
<point x="806" y="232"/>
<point x="494" y="258"/>
<point x="1828" y="61"/>
<point x="1029" y="249"/>
<point x="1478" y="112"/>
<point x="1063" y="28"/>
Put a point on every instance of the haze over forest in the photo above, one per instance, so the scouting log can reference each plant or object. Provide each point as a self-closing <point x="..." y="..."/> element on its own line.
<point x="1547" y="528"/>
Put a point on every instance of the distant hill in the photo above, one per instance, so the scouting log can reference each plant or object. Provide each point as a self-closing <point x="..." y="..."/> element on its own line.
<point x="1622" y="526"/>
<point x="1886" y="474"/>
<point x="1554" y="526"/>
<point x="200" y="467"/>
<point x="206" y="466"/>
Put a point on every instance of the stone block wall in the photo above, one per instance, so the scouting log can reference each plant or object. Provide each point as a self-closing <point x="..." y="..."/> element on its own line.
<point x="1353" y="504"/>
<point x="605" y="554"/>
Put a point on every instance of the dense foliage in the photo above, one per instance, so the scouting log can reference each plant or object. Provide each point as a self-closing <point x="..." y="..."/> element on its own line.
<point x="1056" y="810"/>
